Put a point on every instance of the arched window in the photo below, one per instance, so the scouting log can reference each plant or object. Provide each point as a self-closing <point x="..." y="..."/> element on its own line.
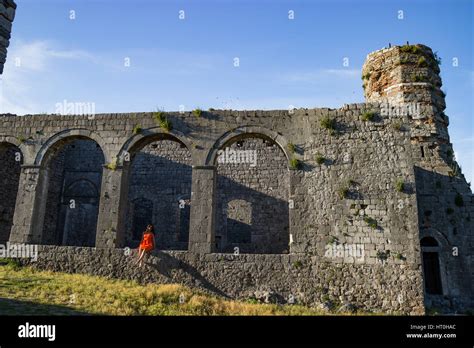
<point x="431" y="266"/>
<point x="10" y="159"/>
<point x="160" y="170"/>
<point x="428" y="242"/>
<point x="253" y="184"/>
<point x="74" y="172"/>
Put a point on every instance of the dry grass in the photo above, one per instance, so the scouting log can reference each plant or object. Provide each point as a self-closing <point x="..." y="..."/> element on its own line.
<point x="26" y="291"/>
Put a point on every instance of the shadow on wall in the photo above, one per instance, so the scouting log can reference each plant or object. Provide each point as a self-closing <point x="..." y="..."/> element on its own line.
<point x="252" y="197"/>
<point x="445" y="207"/>
<point x="10" y="167"/>
<point x="249" y="220"/>
<point x="159" y="194"/>
<point x="72" y="207"/>
<point x="167" y="265"/>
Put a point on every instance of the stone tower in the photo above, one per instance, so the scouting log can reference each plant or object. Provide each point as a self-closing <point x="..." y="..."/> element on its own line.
<point x="7" y="15"/>
<point x="405" y="81"/>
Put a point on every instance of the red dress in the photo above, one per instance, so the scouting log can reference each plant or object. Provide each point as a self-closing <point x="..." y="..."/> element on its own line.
<point x="148" y="242"/>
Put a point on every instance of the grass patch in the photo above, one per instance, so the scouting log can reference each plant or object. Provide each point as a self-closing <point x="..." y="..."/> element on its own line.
<point x="368" y="116"/>
<point x="422" y="62"/>
<point x="372" y="223"/>
<point x="319" y="158"/>
<point x="343" y="192"/>
<point x="397" y="125"/>
<point x="26" y="291"/>
<point x="400" y="185"/>
<point x="295" y="163"/>
<point x="418" y="78"/>
<point x="137" y="129"/>
<point x="399" y="256"/>
<point x="112" y="165"/>
<point x="328" y="123"/>
<point x="297" y="264"/>
<point x="410" y="49"/>
<point x="383" y="255"/>
<point x="162" y="121"/>
<point x="197" y="112"/>
<point x="291" y="147"/>
<point x="21" y="139"/>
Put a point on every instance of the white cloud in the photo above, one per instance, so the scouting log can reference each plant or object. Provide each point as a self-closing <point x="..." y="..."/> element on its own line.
<point x="27" y="64"/>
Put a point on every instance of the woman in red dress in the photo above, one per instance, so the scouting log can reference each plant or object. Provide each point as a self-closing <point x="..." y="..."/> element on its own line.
<point x="147" y="244"/>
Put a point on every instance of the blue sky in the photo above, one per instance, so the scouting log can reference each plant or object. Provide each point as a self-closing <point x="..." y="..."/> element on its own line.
<point x="190" y="62"/>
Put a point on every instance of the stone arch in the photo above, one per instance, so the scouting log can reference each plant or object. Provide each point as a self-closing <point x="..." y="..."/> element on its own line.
<point x="159" y="168"/>
<point x="138" y="141"/>
<point x="72" y="176"/>
<point x="440" y="238"/>
<point x="252" y="196"/>
<point x="58" y="140"/>
<point x="429" y="242"/>
<point x="12" y="141"/>
<point x="246" y="132"/>
<point x="434" y="253"/>
<point x="11" y="159"/>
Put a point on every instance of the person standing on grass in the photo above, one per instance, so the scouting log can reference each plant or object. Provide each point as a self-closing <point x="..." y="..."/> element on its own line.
<point x="146" y="245"/>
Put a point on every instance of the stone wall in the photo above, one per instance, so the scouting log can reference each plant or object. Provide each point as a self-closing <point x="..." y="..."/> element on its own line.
<point x="294" y="279"/>
<point x="409" y="75"/>
<point x="75" y="174"/>
<point x="10" y="159"/>
<point x="7" y="15"/>
<point x="252" y="198"/>
<point x="337" y="204"/>
<point x="159" y="194"/>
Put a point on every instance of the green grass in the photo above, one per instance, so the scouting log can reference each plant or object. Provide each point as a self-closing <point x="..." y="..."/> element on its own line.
<point x="319" y="158"/>
<point x="422" y="62"/>
<point x="162" y="121"/>
<point x="295" y="164"/>
<point x="410" y="49"/>
<point x="291" y="147"/>
<point x="368" y="116"/>
<point x="371" y="222"/>
<point x="26" y="291"/>
<point x="328" y="123"/>
<point x="400" y="185"/>
<point x="137" y="129"/>
<point x="343" y="192"/>
<point x="197" y="112"/>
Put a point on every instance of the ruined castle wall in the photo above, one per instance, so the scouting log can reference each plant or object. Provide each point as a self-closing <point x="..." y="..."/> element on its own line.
<point x="10" y="159"/>
<point x="7" y="15"/>
<point x="298" y="279"/>
<point x="252" y="198"/>
<point x="343" y="214"/>
<point x="75" y="174"/>
<point x="444" y="198"/>
<point x="333" y="211"/>
<point x="160" y="177"/>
